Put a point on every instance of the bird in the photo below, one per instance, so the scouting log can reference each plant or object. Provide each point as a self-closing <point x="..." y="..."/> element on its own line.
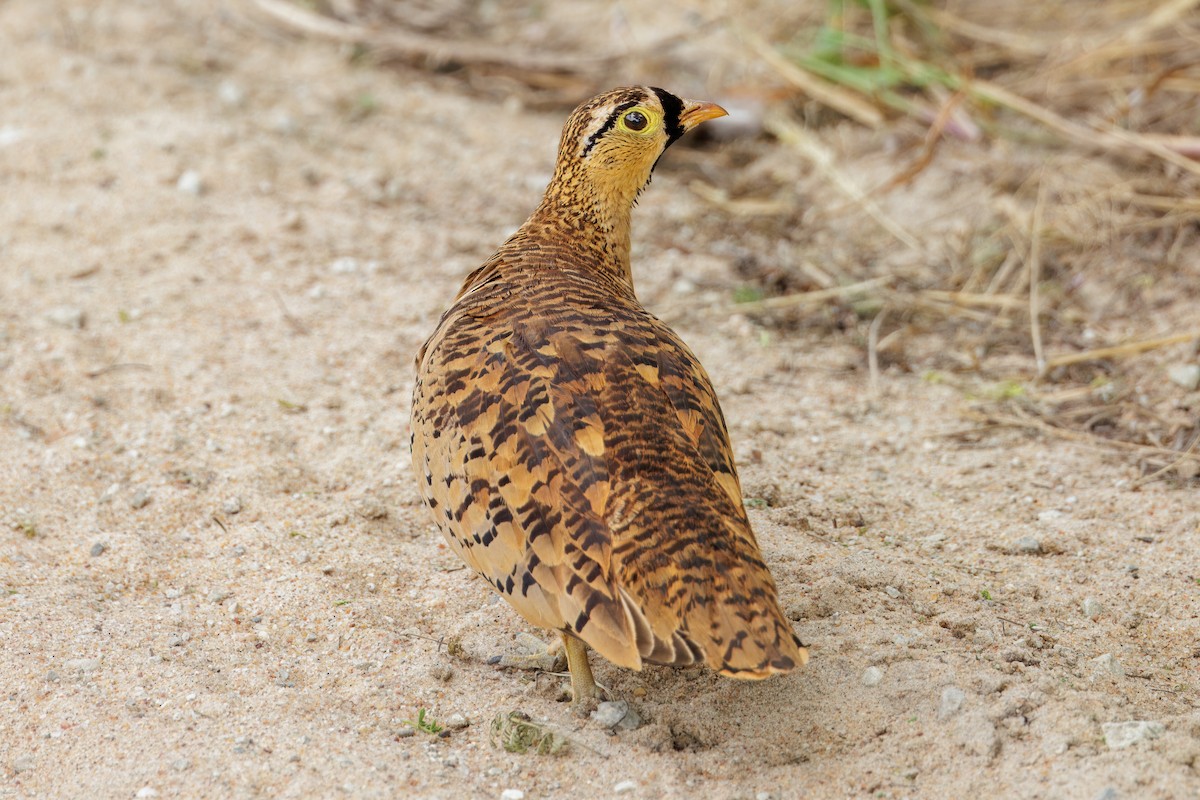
<point x="570" y="445"/>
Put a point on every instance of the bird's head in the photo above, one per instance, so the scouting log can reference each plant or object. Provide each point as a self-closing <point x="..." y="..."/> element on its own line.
<point x="611" y="143"/>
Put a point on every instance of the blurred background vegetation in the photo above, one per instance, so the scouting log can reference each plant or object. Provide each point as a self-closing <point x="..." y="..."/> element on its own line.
<point x="999" y="195"/>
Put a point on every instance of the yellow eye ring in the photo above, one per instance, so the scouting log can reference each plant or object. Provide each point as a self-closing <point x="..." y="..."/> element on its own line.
<point x="638" y="120"/>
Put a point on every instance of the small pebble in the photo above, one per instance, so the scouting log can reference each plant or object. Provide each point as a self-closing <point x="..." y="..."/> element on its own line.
<point x="1028" y="545"/>
<point x="951" y="701"/>
<point x="82" y="665"/>
<point x="219" y="595"/>
<point x="1108" y="793"/>
<point x="146" y="791"/>
<point x="891" y="591"/>
<point x="232" y="506"/>
<point x="231" y="94"/>
<point x="285" y="123"/>
<point x="616" y="715"/>
<point x="512" y="794"/>
<point x="69" y="317"/>
<point x="370" y="508"/>
<point x="1185" y="375"/>
<point x="764" y="796"/>
<point x="1107" y="665"/>
<point x="1119" y="735"/>
<point x="181" y="765"/>
<point x="22" y="764"/>
<point x="1050" y="515"/>
<point x="98" y="549"/>
<point x="191" y="183"/>
<point x="1092" y="608"/>
<point x="872" y="676"/>
<point x="405" y="732"/>
<point x="10" y="135"/>
<point x="625" y="786"/>
<point x="141" y="499"/>
<point x="457" y="722"/>
<point x="443" y="672"/>
<point x="344" y="265"/>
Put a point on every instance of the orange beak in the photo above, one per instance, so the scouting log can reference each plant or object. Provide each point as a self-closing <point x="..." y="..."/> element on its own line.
<point x="695" y="112"/>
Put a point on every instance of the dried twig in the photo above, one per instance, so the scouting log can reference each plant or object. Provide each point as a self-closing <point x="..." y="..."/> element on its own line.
<point x="1073" y="435"/>
<point x="873" y="350"/>
<point x="1035" y="279"/>
<point x="1122" y="350"/>
<point x="1187" y="454"/>
<point x="810" y="298"/>
<point x="394" y="43"/>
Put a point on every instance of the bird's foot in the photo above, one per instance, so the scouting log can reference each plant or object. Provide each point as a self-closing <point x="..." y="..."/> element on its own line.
<point x="585" y="700"/>
<point x="533" y="653"/>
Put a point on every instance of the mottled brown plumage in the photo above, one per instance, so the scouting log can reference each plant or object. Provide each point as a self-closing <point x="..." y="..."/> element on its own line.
<point x="571" y="446"/>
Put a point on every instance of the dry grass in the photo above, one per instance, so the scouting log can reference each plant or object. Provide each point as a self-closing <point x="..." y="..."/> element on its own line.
<point x="1080" y="286"/>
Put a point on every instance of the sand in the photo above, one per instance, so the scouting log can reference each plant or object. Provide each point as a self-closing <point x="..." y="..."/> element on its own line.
<point x="219" y="251"/>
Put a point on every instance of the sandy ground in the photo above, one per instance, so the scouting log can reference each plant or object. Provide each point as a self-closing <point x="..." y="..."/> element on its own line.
<point x="219" y="251"/>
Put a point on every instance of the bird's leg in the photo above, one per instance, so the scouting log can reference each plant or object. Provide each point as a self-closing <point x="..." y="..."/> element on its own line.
<point x="584" y="691"/>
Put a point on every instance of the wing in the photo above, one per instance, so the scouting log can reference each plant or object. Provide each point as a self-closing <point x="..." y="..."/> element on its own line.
<point x="682" y="543"/>
<point x="581" y="464"/>
<point x="508" y="444"/>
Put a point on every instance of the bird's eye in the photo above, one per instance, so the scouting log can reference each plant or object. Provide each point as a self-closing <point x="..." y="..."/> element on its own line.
<point x="636" y="121"/>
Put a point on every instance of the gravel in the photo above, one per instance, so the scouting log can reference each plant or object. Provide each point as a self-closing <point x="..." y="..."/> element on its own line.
<point x="624" y="786"/>
<point x="84" y="665"/>
<point x="616" y="715"/>
<point x="370" y="508"/>
<point x="1107" y="666"/>
<point x="872" y="676"/>
<point x="98" y="549"/>
<point x="1092" y="608"/>
<point x="951" y="701"/>
<point x="1028" y="545"/>
<point x="70" y="317"/>
<point x="191" y="183"/>
<point x="1185" y="375"/>
<point x="1119" y="735"/>
<point x="512" y="794"/>
<point x="141" y="499"/>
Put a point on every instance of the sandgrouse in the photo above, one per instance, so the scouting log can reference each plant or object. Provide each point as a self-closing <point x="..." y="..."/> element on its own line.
<point x="570" y="445"/>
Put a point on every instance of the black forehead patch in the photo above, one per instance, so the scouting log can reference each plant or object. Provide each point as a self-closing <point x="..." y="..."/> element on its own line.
<point x="672" y="109"/>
